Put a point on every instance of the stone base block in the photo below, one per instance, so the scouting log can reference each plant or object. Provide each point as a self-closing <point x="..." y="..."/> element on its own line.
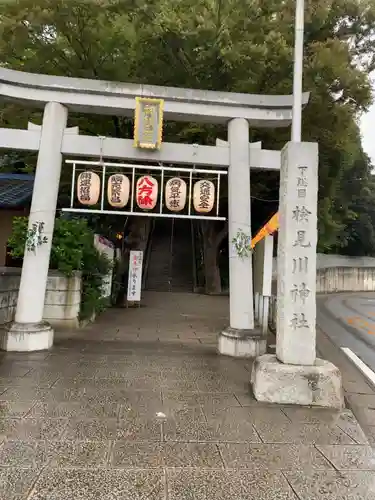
<point x="317" y="385"/>
<point x="26" y="337"/>
<point x="242" y="343"/>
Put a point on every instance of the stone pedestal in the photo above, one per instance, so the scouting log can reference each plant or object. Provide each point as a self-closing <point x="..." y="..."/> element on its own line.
<point x="25" y="337"/>
<point x="240" y="339"/>
<point x="319" y="384"/>
<point x="242" y="343"/>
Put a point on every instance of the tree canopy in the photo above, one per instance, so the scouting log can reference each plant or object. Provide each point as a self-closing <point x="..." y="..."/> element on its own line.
<point x="231" y="45"/>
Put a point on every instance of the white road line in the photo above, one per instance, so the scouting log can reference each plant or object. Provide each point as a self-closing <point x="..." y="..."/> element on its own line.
<point x="367" y="372"/>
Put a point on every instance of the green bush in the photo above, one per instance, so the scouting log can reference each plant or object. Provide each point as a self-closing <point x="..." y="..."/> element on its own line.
<point x="72" y="250"/>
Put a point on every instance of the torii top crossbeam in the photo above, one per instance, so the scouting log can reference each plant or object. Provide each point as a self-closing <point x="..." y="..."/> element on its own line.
<point x="105" y="97"/>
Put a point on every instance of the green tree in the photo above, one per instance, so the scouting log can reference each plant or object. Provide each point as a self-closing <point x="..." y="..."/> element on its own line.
<point x="232" y="45"/>
<point x="72" y="250"/>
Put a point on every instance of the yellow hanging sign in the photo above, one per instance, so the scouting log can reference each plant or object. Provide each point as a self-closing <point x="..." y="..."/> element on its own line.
<point x="148" y="123"/>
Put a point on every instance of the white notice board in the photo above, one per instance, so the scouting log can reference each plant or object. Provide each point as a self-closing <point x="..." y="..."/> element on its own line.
<point x="135" y="276"/>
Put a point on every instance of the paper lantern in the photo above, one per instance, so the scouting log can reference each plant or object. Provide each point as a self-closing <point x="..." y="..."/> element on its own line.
<point x="88" y="188"/>
<point x="175" y="194"/>
<point x="204" y="196"/>
<point x="147" y="192"/>
<point x="118" y="190"/>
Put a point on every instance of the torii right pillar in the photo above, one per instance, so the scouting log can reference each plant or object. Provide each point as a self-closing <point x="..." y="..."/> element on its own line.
<point x="295" y="375"/>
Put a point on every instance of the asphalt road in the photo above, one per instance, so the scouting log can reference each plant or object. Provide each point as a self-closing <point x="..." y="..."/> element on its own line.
<point x="349" y="321"/>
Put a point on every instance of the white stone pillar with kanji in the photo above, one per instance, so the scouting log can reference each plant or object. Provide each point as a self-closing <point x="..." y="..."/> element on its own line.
<point x="296" y="255"/>
<point x="294" y="375"/>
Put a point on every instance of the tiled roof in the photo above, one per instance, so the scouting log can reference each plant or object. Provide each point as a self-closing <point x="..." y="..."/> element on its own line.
<point x="15" y="189"/>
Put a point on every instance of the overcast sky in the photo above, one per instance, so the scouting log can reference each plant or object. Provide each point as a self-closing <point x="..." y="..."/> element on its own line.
<point x="367" y="130"/>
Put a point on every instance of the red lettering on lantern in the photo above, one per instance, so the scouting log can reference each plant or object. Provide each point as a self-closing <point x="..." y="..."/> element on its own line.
<point x="145" y="189"/>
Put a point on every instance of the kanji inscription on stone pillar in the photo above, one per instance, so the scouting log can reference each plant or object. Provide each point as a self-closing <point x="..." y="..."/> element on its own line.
<point x="296" y="263"/>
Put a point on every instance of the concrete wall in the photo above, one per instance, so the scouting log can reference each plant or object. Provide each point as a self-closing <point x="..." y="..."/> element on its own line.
<point x="345" y="279"/>
<point x="62" y="300"/>
<point x="341" y="273"/>
<point x="327" y="261"/>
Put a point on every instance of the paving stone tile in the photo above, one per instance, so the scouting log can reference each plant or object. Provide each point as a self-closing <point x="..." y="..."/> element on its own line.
<point x="129" y="373"/>
<point x="24" y="393"/>
<point x="26" y="357"/>
<point x="179" y="385"/>
<point x="91" y="429"/>
<point x="31" y="428"/>
<point x="219" y="485"/>
<point x="349" y="424"/>
<point x="246" y="398"/>
<point x="357" y="386"/>
<point x="43" y="379"/>
<point x="370" y="433"/>
<point x="146" y="455"/>
<point x="3" y="388"/>
<point x="104" y="396"/>
<point x="29" y="454"/>
<point x="128" y="382"/>
<point x="368" y="416"/>
<point x="82" y="383"/>
<point x="71" y="484"/>
<point x="272" y="456"/>
<point x="61" y="394"/>
<point x="54" y="409"/>
<point x="140" y="429"/>
<point x="187" y="424"/>
<point x="223" y="384"/>
<point x="85" y="454"/>
<point x="15" y="408"/>
<point x="232" y="424"/>
<point x="15" y="482"/>
<point x="141" y="413"/>
<point x="267" y="414"/>
<point x="141" y="399"/>
<point x="179" y="400"/>
<point x="24" y="382"/>
<point x="327" y="485"/>
<point x="214" y="402"/>
<point x="299" y="433"/>
<point x="311" y="415"/>
<point x="350" y="457"/>
<point x="360" y="400"/>
<point x="13" y="369"/>
<point x="74" y="409"/>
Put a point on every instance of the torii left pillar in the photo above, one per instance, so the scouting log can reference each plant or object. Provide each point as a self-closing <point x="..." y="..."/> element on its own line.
<point x="29" y="332"/>
<point x="240" y="339"/>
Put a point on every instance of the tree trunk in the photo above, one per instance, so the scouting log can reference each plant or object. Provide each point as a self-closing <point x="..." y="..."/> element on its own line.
<point x="211" y="268"/>
<point x="212" y="239"/>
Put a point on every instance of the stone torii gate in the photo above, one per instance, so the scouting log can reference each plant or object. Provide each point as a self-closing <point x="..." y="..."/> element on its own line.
<point x="59" y="95"/>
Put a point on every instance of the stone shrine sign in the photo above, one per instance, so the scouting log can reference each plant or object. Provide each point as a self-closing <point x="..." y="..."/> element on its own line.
<point x="297" y="255"/>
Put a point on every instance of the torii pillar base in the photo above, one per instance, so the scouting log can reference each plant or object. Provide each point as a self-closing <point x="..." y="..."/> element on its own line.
<point x="242" y="343"/>
<point x="27" y="337"/>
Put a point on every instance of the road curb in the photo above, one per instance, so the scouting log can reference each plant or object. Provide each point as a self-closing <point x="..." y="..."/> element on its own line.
<point x="356" y="385"/>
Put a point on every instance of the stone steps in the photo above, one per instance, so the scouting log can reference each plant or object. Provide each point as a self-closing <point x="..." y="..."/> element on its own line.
<point x="170" y="266"/>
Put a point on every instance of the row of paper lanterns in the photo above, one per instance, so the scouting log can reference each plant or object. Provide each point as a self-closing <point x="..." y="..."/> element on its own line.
<point x="146" y="192"/>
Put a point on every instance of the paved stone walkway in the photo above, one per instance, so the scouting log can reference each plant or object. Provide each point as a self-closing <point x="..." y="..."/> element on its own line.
<point x="140" y="406"/>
